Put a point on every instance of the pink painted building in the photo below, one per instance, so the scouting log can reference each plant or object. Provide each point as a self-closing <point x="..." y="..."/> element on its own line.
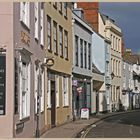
<point x="22" y="46"/>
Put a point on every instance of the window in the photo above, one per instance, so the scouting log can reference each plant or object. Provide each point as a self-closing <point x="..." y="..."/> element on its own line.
<point x="111" y="41"/>
<point x="116" y="68"/>
<point x="57" y="90"/>
<point x="114" y="94"/>
<point x="119" y="45"/>
<point x="85" y="53"/>
<point x="49" y="32"/>
<point x="76" y="51"/>
<point x="119" y="68"/>
<point x="55" y="5"/>
<point x="107" y="68"/>
<point x="61" y="41"/>
<point x="60" y="7"/>
<point x="81" y="52"/>
<point x="24" y="13"/>
<point x="66" y="44"/>
<point x="39" y="88"/>
<point x="36" y="86"/>
<point x="16" y="87"/>
<point x="42" y="27"/>
<point x="55" y="38"/>
<point x="24" y="90"/>
<point x="65" y="9"/>
<point x="65" y="91"/>
<point x="89" y="56"/>
<point x="42" y="85"/>
<point x="36" y="10"/>
<point x="49" y="94"/>
<point x="114" y="42"/>
<point x="111" y="65"/>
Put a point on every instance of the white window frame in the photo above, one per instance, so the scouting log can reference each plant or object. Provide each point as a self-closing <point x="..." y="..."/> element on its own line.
<point x="49" y="33"/>
<point x="55" y="47"/>
<point x="36" y="17"/>
<point x="61" y="40"/>
<point x="36" y="85"/>
<point x="42" y="102"/>
<point x="65" y="91"/>
<point x="25" y="13"/>
<point x="24" y="110"/>
<point x="57" y="90"/>
<point x="42" y="27"/>
<point x="49" y="93"/>
<point x="66" y="44"/>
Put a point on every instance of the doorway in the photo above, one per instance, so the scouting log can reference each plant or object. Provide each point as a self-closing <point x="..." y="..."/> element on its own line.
<point x="53" y="104"/>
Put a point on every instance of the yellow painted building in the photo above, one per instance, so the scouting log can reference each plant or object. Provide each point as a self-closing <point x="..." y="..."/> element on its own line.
<point x="58" y="40"/>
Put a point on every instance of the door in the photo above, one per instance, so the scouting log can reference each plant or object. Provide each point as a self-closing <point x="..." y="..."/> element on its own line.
<point x="53" y="106"/>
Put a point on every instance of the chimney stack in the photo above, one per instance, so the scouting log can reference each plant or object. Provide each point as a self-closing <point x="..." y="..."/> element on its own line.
<point x="90" y="13"/>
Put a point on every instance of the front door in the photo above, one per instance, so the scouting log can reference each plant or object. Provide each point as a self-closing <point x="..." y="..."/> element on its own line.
<point x="53" y="106"/>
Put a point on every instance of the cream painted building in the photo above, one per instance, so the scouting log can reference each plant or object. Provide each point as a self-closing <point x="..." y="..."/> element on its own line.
<point x="58" y="47"/>
<point x="109" y="29"/>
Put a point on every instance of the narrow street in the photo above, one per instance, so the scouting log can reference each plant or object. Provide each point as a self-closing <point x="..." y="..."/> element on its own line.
<point x="120" y="126"/>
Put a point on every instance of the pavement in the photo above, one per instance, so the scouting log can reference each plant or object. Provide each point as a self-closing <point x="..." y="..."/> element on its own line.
<point x="76" y="128"/>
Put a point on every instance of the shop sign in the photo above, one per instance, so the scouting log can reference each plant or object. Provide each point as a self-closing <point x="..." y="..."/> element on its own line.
<point x="74" y="83"/>
<point x="85" y="113"/>
<point x="2" y="84"/>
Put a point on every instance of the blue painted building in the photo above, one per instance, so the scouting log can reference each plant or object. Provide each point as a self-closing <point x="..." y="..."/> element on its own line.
<point x="101" y="59"/>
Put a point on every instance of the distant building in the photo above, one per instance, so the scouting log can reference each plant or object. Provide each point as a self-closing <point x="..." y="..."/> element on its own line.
<point x="134" y="59"/>
<point x="127" y="76"/>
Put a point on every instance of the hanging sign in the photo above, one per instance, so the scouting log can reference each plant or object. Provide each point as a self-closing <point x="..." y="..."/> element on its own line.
<point x="2" y="84"/>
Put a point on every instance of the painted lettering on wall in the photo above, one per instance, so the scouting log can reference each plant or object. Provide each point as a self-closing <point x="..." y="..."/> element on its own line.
<point x="25" y="38"/>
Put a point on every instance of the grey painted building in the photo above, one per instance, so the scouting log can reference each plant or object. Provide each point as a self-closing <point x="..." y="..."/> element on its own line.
<point x="82" y="66"/>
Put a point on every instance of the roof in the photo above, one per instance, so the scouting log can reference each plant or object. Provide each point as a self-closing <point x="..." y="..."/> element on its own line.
<point x="105" y="17"/>
<point x="95" y="69"/>
<point x="132" y="58"/>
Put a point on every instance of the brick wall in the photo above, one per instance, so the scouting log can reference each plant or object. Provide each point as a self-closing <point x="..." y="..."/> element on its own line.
<point x="90" y="13"/>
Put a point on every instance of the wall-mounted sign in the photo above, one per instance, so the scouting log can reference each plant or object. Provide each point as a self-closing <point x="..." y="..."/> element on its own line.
<point x="25" y="38"/>
<point x="75" y="83"/>
<point x="2" y="84"/>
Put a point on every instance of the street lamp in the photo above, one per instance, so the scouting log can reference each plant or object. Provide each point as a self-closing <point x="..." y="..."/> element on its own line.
<point x="48" y="62"/>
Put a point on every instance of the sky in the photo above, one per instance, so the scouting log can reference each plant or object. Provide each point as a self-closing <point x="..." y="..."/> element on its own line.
<point x="127" y="17"/>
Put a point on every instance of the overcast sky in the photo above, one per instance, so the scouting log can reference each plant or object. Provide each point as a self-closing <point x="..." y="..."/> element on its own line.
<point x="127" y="17"/>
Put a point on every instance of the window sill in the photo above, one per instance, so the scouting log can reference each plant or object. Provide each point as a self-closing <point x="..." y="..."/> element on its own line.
<point x="61" y="56"/>
<point x="66" y="17"/>
<point x="49" y="50"/>
<point x="56" y="53"/>
<point x="25" y="26"/>
<point x="67" y="59"/>
<point x="25" y="119"/>
<point x="66" y="106"/>
<point x="60" y="12"/>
